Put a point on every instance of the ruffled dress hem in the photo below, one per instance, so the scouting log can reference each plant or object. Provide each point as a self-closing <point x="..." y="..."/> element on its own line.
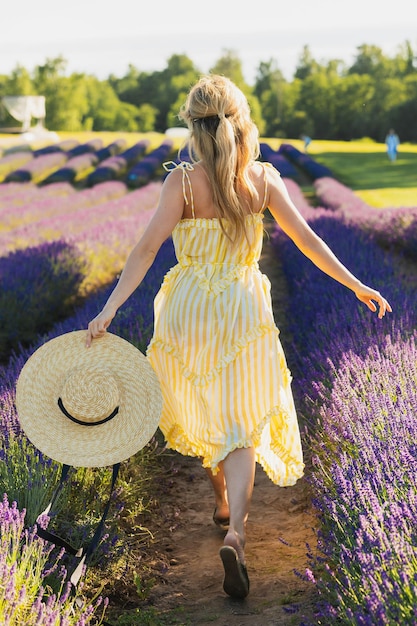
<point x="202" y="379"/>
<point x="177" y="439"/>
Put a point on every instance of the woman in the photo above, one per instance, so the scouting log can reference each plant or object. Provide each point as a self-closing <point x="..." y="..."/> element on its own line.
<point x="215" y="347"/>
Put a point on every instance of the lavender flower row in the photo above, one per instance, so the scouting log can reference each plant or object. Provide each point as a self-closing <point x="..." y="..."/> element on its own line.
<point x="299" y="199"/>
<point x="71" y="147"/>
<point x="25" y="562"/>
<point x="97" y="209"/>
<point x="83" y="162"/>
<point x="368" y="494"/>
<point x="19" y="194"/>
<point x="47" y="160"/>
<point x="51" y="216"/>
<point x="278" y="159"/>
<point x="114" y="167"/>
<point x="360" y="412"/>
<point x="61" y="146"/>
<point x="12" y="161"/>
<point x="391" y="227"/>
<point x="73" y="169"/>
<point x="37" y="169"/>
<point x="89" y="146"/>
<point x="39" y="284"/>
<point x="304" y="161"/>
<point x="141" y="173"/>
<point x="116" y="147"/>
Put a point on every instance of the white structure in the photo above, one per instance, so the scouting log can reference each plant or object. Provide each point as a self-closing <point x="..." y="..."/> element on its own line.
<point x="24" y="108"/>
<point x="177" y="131"/>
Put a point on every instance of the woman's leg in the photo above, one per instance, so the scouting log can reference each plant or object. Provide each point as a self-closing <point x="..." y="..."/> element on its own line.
<point x="220" y="493"/>
<point x="239" y="472"/>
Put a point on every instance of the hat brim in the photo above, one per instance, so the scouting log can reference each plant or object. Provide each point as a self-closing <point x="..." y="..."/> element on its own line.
<point x="38" y="390"/>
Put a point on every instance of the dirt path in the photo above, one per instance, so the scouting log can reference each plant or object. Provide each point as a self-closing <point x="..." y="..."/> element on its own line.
<point x="187" y="543"/>
<point x="184" y="558"/>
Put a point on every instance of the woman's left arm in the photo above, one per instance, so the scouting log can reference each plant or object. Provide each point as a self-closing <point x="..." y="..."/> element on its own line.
<point x="294" y="225"/>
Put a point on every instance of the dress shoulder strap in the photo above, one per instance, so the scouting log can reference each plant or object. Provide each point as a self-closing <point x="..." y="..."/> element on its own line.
<point x="265" y="165"/>
<point x="185" y="167"/>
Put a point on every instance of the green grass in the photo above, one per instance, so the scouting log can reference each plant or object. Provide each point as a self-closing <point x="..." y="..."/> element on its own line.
<point x="372" y="170"/>
<point x="364" y="167"/>
<point x="392" y="197"/>
<point x="151" y="617"/>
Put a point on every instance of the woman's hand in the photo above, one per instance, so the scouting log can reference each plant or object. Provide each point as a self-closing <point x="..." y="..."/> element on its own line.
<point x="369" y="296"/>
<point x="99" y="325"/>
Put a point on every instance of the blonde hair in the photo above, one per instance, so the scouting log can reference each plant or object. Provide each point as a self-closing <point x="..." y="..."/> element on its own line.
<point x="223" y="135"/>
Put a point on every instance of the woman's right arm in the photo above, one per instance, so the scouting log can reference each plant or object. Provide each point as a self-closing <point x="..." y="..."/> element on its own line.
<point x="167" y="215"/>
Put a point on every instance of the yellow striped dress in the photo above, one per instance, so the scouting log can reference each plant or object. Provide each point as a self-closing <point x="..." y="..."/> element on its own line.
<point x="217" y="354"/>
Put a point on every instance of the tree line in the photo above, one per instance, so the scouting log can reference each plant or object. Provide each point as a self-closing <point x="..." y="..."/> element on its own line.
<point x="325" y="100"/>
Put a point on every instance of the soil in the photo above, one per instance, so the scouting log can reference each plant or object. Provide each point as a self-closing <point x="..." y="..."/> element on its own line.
<point x="184" y="570"/>
<point x="187" y="569"/>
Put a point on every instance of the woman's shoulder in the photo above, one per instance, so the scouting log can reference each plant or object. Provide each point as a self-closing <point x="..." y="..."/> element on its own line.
<point x="262" y="171"/>
<point x="180" y="171"/>
<point x="194" y="169"/>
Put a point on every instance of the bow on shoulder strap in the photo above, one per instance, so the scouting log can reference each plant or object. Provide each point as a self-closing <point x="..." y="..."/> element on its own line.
<point x="185" y="167"/>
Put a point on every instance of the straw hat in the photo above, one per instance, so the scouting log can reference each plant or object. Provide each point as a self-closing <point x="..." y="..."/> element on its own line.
<point x="88" y="407"/>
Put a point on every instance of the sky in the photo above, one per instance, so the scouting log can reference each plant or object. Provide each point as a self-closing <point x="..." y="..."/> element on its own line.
<point x="104" y="37"/>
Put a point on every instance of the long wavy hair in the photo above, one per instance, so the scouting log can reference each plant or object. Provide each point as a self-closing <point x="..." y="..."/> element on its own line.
<point x="224" y="137"/>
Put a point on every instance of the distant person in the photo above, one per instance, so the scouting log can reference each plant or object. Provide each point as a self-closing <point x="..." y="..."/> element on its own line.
<point x="307" y="141"/>
<point x="215" y="348"/>
<point x="392" y="141"/>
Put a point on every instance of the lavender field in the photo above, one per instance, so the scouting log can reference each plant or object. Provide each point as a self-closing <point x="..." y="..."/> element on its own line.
<point x="355" y="382"/>
<point x="62" y="246"/>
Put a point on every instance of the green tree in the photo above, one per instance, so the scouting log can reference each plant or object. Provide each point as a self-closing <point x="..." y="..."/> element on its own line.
<point x="316" y="98"/>
<point x="127" y="84"/>
<point x="128" y="87"/>
<point x="175" y="82"/>
<point x="306" y="65"/>
<point x="295" y="121"/>
<point x="66" y="104"/>
<point x="371" y="60"/>
<point x="269" y="88"/>
<point x="125" y="118"/>
<point x="389" y="94"/>
<point x="104" y="106"/>
<point x="324" y="100"/>
<point x="404" y="62"/>
<point x="19" y="83"/>
<point x="162" y="92"/>
<point x="145" y="117"/>
<point x="404" y="114"/>
<point x="353" y="107"/>
<point x="230" y="65"/>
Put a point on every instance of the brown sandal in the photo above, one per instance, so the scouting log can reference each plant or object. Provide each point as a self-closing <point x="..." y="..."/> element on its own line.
<point x="236" y="580"/>
<point x="222" y="522"/>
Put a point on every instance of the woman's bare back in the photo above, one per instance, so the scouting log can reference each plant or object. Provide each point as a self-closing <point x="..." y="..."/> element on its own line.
<point x="202" y="195"/>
